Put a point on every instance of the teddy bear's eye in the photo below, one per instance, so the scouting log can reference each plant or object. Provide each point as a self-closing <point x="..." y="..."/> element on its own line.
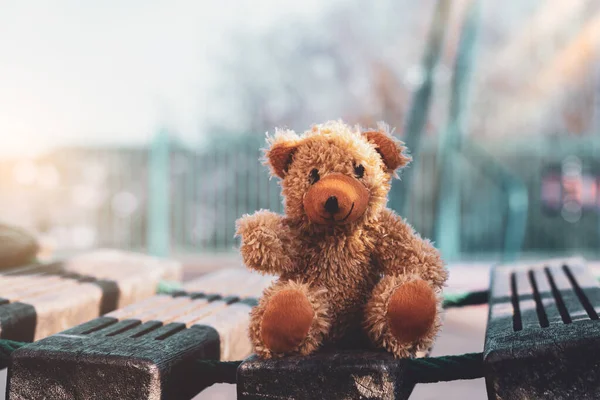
<point x="314" y="176"/>
<point x="359" y="171"/>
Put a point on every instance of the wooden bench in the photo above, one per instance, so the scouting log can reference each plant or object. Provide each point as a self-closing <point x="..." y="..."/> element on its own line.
<point x="543" y="334"/>
<point x="40" y="300"/>
<point x="541" y="342"/>
<point x="146" y="350"/>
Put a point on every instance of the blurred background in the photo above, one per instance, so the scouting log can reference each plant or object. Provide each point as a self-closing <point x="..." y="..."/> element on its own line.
<point x="139" y="124"/>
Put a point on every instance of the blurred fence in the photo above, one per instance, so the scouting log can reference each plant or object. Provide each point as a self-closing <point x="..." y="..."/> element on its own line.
<point x="102" y="197"/>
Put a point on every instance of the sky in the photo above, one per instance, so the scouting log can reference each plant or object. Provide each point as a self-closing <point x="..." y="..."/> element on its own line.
<point x="116" y="71"/>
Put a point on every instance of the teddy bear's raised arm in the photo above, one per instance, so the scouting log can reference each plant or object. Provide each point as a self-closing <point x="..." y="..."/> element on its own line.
<point x="266" y="242"/>
<point x="401" y="250"/>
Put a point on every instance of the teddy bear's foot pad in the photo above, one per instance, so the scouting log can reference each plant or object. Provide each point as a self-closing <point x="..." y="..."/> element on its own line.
<point x="335" y="375"/>
<point x="412" y="310"/>
<point x="286" y="321"/>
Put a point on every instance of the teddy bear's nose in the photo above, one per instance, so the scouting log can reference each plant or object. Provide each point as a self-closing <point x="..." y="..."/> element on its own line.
<point x="331" y="205"/>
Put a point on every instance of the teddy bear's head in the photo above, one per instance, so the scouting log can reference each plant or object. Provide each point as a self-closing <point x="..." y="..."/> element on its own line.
<point x="335" y="175"/>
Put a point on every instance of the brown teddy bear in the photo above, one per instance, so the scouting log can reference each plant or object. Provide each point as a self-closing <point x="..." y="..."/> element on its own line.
<point x="345" y="261"/>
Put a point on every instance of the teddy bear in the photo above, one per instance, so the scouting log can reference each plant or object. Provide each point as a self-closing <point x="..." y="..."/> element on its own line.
<point x="345" y="262"/>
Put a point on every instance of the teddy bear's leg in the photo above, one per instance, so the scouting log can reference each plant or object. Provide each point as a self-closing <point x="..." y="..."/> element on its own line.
<point x="290" y="318"/>
<point x="403" y="315"/>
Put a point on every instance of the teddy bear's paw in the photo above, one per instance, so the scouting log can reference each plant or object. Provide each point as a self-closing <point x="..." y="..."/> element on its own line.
<point x="263" y="242"/>
<point x="290" y="318"/>
<point x="403" y="315"/>
<point x="412" y="311"/>
<point x="286" y="321"/>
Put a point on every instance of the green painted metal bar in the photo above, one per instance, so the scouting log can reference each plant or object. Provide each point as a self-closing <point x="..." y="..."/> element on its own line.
<point x="421" y="100"/>
<point x="159" y="224"/>
<point x="453" y="143"/>
<point x="200" y="167"/>
<point x="448" y="213"/>
<point x="179" y="199"/>
<point x="189" y="209"/>
<point x="257" y="180"/>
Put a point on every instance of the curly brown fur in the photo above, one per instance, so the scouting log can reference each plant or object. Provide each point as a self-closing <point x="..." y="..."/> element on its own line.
<point x="266" y="242"/>
<point x="341" y="251"/>
<point x="401" y="250"/>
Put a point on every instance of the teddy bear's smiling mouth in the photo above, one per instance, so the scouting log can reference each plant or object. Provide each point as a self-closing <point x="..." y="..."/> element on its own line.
<point x="332" y="219"/>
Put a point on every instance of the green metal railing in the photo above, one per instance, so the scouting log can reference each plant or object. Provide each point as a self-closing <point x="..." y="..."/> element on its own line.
<point x="421" y="102"/>
<point x="454" y="142"/>
<point x="159" y="188"/>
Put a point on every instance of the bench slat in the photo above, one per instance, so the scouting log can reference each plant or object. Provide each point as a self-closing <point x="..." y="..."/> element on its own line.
<point x="40" y="300"/>
<point x="152" y="342"/>
<point x="543" y="334"/>
<point x="574" y="308"/>
<point x="547" y="298"/>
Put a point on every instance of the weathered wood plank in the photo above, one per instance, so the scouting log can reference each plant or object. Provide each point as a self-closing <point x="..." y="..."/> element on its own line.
<point x="332" y="376"/>
<point x="133" y="284"/>
<point x="543" y="334"/>
<point x="232" y="325"/>
<point x="143" y="350"/>
<point x="44" y="299"/>
<point x="574" y="309"/>
<point x="91" y="365"/>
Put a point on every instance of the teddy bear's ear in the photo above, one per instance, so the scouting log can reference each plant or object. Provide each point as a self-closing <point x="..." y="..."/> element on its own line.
<point x="280" y="154"/>
<point x="391" y="150"/>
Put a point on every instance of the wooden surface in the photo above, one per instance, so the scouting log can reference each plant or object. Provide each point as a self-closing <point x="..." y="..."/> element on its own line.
<point x="463" y="331"/>
<point x="39" y="300"/>
<point x="324" y="375"/>
<point x="112" y="359"/>
<point x="146" y="350"/>
<point x="230" y="319"/>
<point x="543" y="335"/>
